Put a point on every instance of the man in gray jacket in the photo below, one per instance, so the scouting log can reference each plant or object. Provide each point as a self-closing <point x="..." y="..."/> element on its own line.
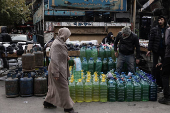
<point x="127" y="43"/>
<point x="165" y="69"/>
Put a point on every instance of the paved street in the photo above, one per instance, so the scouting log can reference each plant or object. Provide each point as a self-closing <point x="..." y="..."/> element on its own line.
<point x="34" y="105"/>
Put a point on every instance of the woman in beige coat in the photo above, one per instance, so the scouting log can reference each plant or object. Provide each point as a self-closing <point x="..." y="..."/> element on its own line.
<point x="58" y="73"/>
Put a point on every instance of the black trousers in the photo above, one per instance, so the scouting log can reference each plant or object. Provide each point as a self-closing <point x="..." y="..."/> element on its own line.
<point x="155" y="70"/>
<point x="165" y="77"/>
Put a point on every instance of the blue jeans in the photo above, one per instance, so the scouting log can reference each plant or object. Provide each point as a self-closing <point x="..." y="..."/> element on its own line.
<point x="128" y="59"/>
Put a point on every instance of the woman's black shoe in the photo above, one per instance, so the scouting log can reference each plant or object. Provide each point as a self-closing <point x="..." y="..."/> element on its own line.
<point x="48" y="105"/>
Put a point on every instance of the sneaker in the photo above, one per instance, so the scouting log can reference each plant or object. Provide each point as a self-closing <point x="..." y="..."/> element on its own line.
<point x="164" y="101"/>
<point x="48" y="105"/>
<point x="159" y="90"/>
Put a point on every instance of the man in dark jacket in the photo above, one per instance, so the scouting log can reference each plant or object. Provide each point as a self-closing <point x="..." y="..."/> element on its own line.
<point x="127" y="44"/>
<point x="157" y="43"/>
<point x="4" y="37"/>
<point x="166" y="69"/>
<point x="108" y="39"/>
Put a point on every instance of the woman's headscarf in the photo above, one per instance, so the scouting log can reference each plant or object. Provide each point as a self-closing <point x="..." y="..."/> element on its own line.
<point x="64" y="33"/>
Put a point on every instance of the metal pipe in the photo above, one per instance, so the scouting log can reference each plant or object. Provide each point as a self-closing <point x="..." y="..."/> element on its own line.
<point x="134" y="15"/>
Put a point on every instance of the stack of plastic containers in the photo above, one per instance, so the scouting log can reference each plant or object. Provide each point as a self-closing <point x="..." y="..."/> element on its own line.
<point x="112" y="90"/>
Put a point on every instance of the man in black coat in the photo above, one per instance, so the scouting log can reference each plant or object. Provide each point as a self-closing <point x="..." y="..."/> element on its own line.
<point x="166" y="69"/>
<point x="157" y="43"/>
<point x="108" y="39"/>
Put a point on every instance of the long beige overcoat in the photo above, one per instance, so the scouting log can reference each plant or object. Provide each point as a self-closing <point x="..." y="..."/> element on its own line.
<point x="58" y="90"/>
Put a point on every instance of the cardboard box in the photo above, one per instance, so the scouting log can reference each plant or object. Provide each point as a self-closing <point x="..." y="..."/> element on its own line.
<point x="74" y="53"/>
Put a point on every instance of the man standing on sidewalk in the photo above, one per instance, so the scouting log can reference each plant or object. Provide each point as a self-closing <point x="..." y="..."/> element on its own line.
<point x="165" y="69"/>
<point x="157" y="43"/>
<point x="127" y="44"/>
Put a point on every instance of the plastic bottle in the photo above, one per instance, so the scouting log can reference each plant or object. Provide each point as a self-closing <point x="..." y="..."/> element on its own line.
<point x="145" y="90"/>
<point x="137" y="91"/>
<point x="112" y="88"/>
<point x="103" y="91"/>
<point x="101" y="53"/>
<point x="79" y="91"/>
<point x="77" y="69"/>
<point x="88" y="91"/>
<point x="153" y="91"/>
<point x="72" y="89"/>
<point x="84" y="65"/>
<point x="83" y="78"/>
<point x="110" y="64"/>
<point x="88" y="53"/>
<point x="108" y="52"/>
<point x="95" y="90"/>
<point x="77" y="64"/>
<point x="129" y="91"/>
<point x="105" y="65"/>
<point x="113" y="53"/>
<point x="70" y="70"/>
<point x="91" y="65"/>
<point x="71" y="61"/>
<point x="94" y="53"/>
<point x="120" y="91"/>
<point x="98" y="66"/>
<point x="82" y="53"/>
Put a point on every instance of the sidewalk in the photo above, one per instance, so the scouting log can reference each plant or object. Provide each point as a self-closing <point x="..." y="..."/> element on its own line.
<point x="34" y="105"/>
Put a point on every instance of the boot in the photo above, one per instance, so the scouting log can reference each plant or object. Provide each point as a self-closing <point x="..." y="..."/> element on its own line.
<point x="48" y="105"/>
<point x="71" y="111"/>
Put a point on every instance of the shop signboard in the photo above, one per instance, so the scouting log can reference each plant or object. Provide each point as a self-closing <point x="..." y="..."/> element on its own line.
<point x="100" y="5"/>
<point x="64" y="13"/>
<point x="38" y="16"/>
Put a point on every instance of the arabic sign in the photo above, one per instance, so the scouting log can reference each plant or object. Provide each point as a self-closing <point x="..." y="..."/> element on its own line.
<point x="102" y="5"/>
<point x="65" y="13"/>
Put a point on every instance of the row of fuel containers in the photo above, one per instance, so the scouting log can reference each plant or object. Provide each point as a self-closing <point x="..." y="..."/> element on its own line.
<point x="26" y="84"/>
<point x="33" y="58"/>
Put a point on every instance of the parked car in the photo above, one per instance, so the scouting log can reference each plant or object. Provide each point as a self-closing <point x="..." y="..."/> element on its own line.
<point x="20" y="38"/>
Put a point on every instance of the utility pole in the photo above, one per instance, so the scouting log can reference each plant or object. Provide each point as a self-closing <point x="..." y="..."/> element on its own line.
<point x="134" y="15"/>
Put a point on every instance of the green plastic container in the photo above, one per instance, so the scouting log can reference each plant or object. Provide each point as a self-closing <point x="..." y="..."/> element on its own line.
<point x="91" y="65"/>
<point x="72" y="88"/>
<point x="145" y="90"/>
<point x="120" y="91"/>
<point x="111" y="64"/>
<point x="95" y="90"/>
<point x="112" y="90"/>
<point x="101" y="53"/>
<point x="129" y="91"/>
<point x="82" y="53"/>
<point x="94" y="53"/>
<point x="108" y="52"/>
<point x="84" y="65"/>
<point x="71" y="61"/>
<point x="105" y="66"/>
<point x="88" y="91"/>
<point x="88" y="53"/>
<point x="137" y="91"/>
<point x="79" y="91"/>
<point x="98" y="67"/>
<point x="103" y="91"/>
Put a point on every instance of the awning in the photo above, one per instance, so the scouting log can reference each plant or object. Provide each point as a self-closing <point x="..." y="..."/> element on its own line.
<point x="155" y="4"/>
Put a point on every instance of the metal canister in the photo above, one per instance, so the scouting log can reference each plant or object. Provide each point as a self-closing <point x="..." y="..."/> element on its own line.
<point x="11" y="86"/>
<point x="39" y="58"/>
<point x="26" y="85"/>
<point x="40" y="85"/>
<point x="28" y="61"/>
